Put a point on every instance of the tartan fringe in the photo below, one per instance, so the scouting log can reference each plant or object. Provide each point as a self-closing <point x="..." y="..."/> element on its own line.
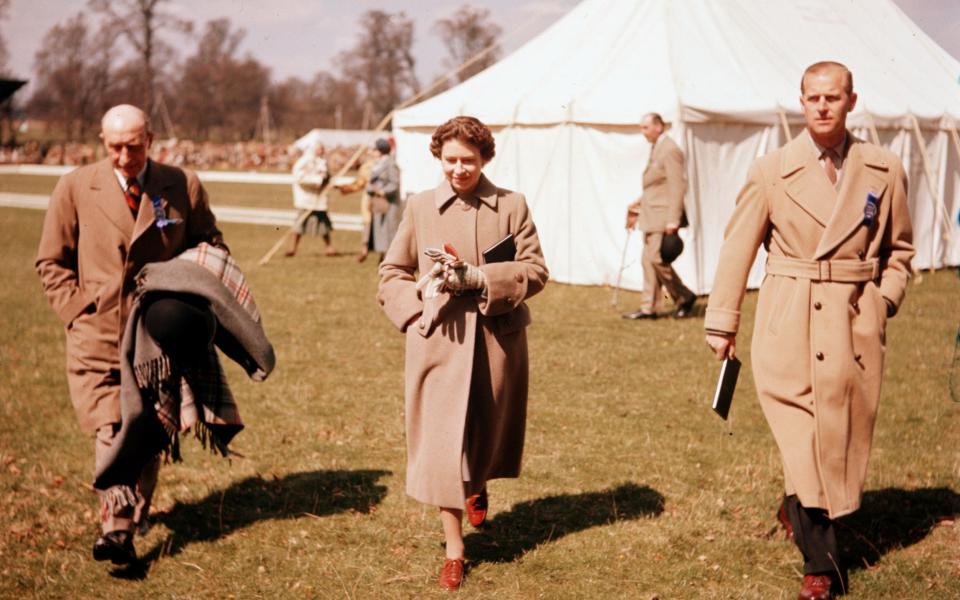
<point x="150" y="374"/>
<point x="118" y="497"/>
<point x="209" y="439"/>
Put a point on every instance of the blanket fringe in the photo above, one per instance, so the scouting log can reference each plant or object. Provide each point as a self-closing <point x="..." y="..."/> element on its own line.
<point x="118" y="497"/>
<point x="150" y="374"/>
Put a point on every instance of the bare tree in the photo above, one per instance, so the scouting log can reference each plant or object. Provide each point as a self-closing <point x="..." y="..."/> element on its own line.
<point x="381" y="61"/>
<point x="4" y="54"/>
<point x="220" y="95"/>
<point x="466" y="34"/>
<point x="140" y="23"/>
<point x="73" y="77"/>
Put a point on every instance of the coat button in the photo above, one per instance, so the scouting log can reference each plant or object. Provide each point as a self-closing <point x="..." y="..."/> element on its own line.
<point x="519" y="277"/>
<point x="856" y="306"/>
<point x="819" y="355"/>
<point x="509" y="300"/>
<point x="817" y="305"/>
<point x="421" y="323"/>
<point x="861" y="255"/>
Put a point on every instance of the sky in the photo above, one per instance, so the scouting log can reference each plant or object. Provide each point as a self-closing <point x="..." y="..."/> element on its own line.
<point x="300" y="37"/>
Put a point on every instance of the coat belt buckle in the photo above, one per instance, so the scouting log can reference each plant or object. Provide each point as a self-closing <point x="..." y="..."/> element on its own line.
<point x="824" y="271"/>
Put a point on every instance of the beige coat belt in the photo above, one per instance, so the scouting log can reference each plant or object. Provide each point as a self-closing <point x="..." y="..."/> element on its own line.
<point x="842" y="271"/>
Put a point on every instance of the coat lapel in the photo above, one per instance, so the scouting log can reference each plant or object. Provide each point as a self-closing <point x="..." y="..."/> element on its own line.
<point x="154" y="187"/>
<point x="862" y="174"/>
<point x="805" y="181"/>
<point x="108" y="196"/>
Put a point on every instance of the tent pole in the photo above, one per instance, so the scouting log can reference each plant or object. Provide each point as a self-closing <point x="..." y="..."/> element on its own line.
<point x="873" y="128"/>
<point x="784" y="124"/>
<point x="931" y="182"/>
<point x="380" y="126"/>
<point x="956" y="138"/>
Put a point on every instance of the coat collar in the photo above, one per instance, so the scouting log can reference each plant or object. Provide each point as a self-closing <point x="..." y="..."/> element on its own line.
<point x="110" y="200"/>
<point x="865" y="171"/>
<point x="806" y="183"/>
<point x="108" y="196"/>
<point x="485" y="191"/>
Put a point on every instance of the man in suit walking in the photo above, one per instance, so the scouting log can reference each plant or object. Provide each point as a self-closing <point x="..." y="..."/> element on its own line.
<point x="105" y="221"/>
<point x="659" y="212"/>
<point x="831" y="210"/>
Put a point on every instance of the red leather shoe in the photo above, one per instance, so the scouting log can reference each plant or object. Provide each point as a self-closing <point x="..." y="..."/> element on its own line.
<point x="451" y="575"/>
<point x="785" y="521"/>
<point x="477" y="508"/>
<point x="816" y="587"/>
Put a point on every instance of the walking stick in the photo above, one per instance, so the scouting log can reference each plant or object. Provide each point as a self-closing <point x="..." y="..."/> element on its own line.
<point x="623" y="259"/>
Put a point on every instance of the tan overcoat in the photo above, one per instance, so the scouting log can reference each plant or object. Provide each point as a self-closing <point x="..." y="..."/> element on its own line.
<point x="466" y="356"/>
<point x="90" y="250"/>
<point x="664" y="184"/>
<point x="818" y="341"/>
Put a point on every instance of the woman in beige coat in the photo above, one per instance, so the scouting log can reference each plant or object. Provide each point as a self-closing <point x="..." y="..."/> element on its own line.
<point x="466" y="350"/>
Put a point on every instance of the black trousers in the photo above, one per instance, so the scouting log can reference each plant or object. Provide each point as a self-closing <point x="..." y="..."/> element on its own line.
<point x="815" y="535"/>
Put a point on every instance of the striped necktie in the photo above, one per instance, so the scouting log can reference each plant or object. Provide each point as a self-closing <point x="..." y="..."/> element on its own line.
<point x="133" y="194"/>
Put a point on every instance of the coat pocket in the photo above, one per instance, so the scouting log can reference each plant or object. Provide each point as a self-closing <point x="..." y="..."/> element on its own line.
<point x="514" y="321"/>
<point x="779" y="306"/>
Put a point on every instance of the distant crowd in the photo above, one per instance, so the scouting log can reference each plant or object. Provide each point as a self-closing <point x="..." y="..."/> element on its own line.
<point x="236" y="156"/>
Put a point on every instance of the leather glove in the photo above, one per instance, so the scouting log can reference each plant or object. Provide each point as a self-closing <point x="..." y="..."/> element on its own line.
<point x="461" y="276"/>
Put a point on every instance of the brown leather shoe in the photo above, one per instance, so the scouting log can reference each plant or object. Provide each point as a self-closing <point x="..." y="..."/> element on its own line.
<point x="816" y="587"/>
<point x="451" y="575"/>
<point x="785" y="521"/>
<point x="477" y="508"/>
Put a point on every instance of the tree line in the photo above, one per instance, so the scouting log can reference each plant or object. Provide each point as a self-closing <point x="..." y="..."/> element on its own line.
<point x="125" y="54"/>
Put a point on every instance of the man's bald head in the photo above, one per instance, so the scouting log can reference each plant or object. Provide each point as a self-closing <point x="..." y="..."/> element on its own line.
<point x="125" y="132"/>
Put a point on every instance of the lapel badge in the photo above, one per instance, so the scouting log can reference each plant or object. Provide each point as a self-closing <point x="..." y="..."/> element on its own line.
<point x="161" y="215"/>
<point x="870" y="209"/>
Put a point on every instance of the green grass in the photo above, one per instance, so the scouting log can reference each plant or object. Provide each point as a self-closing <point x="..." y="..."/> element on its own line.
<point x="632" y="487"/>
<point x="255" y="195"/>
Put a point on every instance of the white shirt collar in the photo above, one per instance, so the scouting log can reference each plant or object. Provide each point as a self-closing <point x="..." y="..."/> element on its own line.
<point x="140" y="176"/>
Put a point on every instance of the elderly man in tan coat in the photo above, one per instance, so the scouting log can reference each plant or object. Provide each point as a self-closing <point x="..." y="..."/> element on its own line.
<point x="831" y="210"/>
<point x="106" y="221"/>
<point x="659" y="212"/>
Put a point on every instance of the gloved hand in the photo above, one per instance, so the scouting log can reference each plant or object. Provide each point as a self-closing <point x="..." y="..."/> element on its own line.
<point x="431" y="284"/>
<point x="461" y="276"/>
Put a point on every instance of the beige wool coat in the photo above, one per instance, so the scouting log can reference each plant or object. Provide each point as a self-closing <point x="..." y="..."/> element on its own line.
<point x="818" y="342"/>
<point x="466" y="356"/>
<point x="664" y="184"/>
<point x="90" y="250"/>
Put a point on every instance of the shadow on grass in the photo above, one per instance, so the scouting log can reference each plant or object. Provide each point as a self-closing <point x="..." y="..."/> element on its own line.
<point x="317" y="493"/>
<point x="892" y="518"/>
<point x="511" y="534"/>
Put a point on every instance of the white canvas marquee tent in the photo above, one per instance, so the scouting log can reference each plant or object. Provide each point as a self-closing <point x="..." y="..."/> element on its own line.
<point x="565" y="110"/>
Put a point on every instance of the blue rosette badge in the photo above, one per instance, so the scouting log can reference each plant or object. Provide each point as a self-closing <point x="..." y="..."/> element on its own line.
<point x="870" y="209"/>
<point x="160" y="215"/>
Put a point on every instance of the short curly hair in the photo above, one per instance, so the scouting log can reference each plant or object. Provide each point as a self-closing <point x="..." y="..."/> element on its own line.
<point x="465" y="129"/>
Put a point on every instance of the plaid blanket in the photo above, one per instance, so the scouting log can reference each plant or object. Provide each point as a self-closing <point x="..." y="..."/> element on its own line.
<point x="160" y="399"/>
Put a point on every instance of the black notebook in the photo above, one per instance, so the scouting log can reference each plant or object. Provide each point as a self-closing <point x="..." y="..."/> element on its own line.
<point x="726" y="386"/>
<point x="503" y="251"/>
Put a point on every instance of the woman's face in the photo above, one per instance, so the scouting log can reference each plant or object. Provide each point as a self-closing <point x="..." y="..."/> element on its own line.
<point x="462" y="164"/>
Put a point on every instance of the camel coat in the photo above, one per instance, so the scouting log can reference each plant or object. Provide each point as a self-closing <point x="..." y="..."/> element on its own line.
<point x="664" y="184"/>
<point x="466" y="356"/>
<point x="90" y="250"/>
<point x="832" y="275"/>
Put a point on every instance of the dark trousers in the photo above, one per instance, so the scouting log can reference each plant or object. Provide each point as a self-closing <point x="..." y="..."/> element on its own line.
<point x="814" y="534"/>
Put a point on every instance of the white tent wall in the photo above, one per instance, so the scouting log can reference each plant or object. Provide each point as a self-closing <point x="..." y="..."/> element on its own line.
<point x="565" y="110"/>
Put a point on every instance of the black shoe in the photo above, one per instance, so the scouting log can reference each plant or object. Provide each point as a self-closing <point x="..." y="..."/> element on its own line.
<point x="686" y="309"/>
<point x="639" y="314"/>
<point x="116" y="546"/>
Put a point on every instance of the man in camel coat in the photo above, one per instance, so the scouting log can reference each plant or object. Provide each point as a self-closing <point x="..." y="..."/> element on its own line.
<point x="831" y="210"/>
<point x="106" y="221"/>
<point x="659" y="212"/>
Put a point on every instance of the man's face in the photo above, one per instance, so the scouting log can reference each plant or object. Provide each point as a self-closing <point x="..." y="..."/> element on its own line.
<point x="127" y="148"/>
<point x="825" y="105"/>
<point x="462" y="165"/>
<point x="650" y="129"/>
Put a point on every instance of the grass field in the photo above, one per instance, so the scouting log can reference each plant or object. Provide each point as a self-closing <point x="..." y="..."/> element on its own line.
<point x="632" y="487"/>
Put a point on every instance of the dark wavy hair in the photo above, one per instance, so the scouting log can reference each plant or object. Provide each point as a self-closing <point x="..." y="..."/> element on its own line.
<point x="465" y="129"/>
